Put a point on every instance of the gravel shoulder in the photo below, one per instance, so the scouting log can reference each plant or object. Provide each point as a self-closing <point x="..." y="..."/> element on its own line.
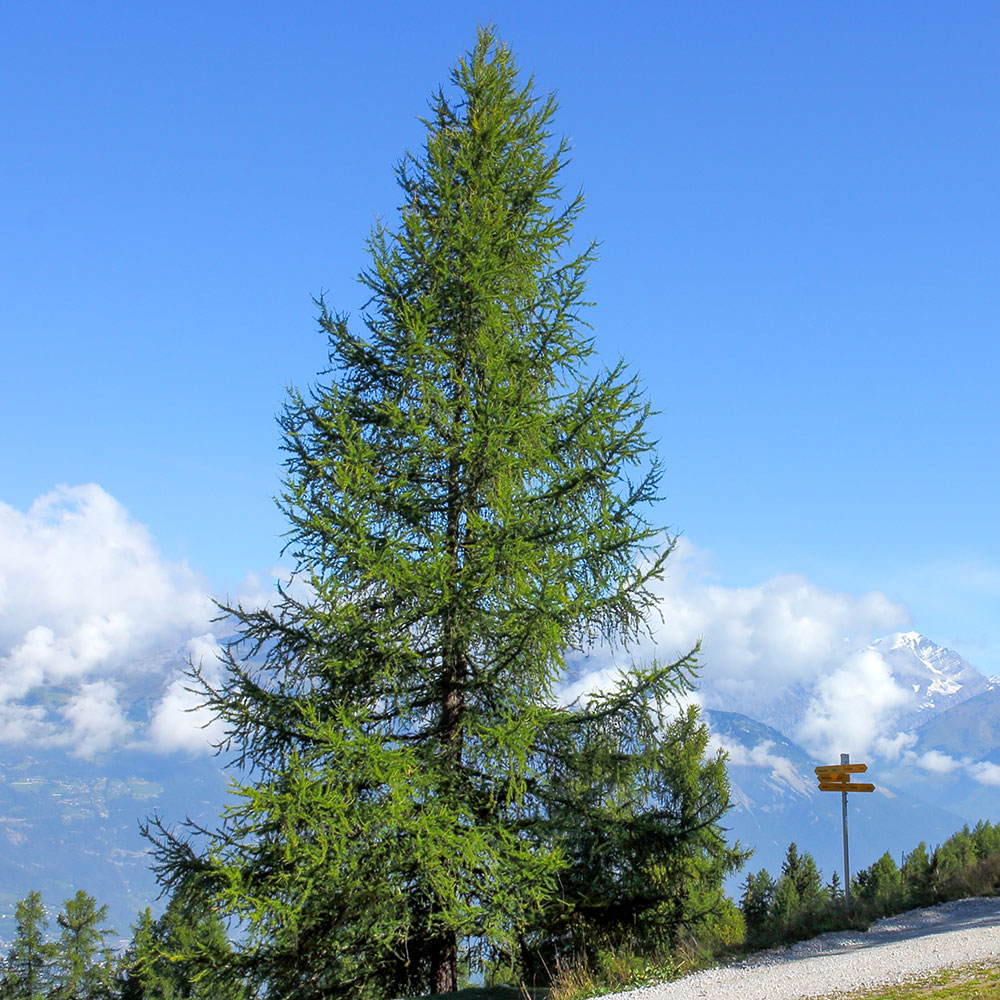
<point x="891" y="951"/>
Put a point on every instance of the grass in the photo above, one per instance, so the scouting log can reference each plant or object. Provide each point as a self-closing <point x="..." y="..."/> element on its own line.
<point x="969" y="982"/>
<point x="487" y="993"/>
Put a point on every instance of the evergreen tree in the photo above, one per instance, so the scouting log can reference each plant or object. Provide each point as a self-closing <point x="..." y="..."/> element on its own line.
<point x="180" y="956"/>
<point x="802" y="870"/>
<point x="834" y="889"/>
<point x="986" y="838"/>
<point x="466" y="500"/>
<point x="917" y="875"/>
<point x="786" y="906"/>
<point x="956" y="853"/>
<point x="634" y="806"/>
<point x="758" y="895"/>
<point x="28" y="967"/>
<point x="882" y="885"/>
<point x="84" y="965"/>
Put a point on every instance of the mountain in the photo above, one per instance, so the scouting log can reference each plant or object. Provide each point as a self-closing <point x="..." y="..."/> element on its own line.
<point x="968" y="729"/>
<point x="938" y="677"/>
<point x="68" y="824"/>
<point x="930" y="678"/>
<point x="776" y="800"/>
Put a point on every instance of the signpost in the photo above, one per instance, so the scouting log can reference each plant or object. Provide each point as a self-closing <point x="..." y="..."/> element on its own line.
<point x="837" y="778"/>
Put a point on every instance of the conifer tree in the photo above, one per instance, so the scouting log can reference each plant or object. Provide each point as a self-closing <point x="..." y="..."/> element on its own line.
<point x="755" y="902"/>
<point x="181" y="955"/>
<point x="467" y="497"/>
<point x="635" y="807"/>
<point x="27" y="970"/>
<point x="834" y="889"/>
<point x="916" y="873"/>
<point x="84" y="965"/>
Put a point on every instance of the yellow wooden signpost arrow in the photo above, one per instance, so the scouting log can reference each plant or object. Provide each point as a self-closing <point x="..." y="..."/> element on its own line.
<point x="837" y="778"/>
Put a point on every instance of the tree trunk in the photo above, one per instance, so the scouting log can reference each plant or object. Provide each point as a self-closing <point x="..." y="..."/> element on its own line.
<point x="444" y="963"/>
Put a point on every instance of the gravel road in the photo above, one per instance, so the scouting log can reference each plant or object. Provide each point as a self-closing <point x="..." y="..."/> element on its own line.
<point x="892" y="950"/>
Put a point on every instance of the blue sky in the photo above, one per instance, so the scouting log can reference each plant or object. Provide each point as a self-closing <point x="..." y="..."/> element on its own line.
<point x="797" y="206"/>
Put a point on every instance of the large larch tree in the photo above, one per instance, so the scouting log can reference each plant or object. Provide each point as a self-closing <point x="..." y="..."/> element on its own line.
<point x="468" y="494"/>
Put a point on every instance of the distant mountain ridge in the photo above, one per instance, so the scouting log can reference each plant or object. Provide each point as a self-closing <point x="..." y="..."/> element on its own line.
<point x="969" y="729"/>
<point x="776" y="800"/>
<point x="938" y="773"/>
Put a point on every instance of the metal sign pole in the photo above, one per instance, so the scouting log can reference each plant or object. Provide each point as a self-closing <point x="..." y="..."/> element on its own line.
<point x="845" y="758"/>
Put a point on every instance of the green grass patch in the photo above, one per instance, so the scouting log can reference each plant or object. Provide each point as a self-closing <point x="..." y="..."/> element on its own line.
<point x="970" y="982"/>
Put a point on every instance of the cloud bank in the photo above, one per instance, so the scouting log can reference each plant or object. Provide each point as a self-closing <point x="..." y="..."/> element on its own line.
<point x="779" y="650"/>
<point x="87" y="605"/>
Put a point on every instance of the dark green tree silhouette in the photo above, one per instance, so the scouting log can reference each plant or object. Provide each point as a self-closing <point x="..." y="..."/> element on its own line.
<point x="917" y="875"/>
<point x="467" y="499"/>
<point x="756" y="900"/>
<point x="835" y="890"/>
<point x="634" y="806"/>
<point x="27" y="971"/>
<point x="184" y="954"/>
<point x="84" y="965"/>
<point x="802" y="870"/>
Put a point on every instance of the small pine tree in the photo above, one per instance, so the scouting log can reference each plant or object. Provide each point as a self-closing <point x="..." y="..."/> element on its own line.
<point x="84" y="966"/>
<point x="756" y="900"/>
<point x="786" y="906"/>
<point x="635" y="809"/>
<point x="28" y="969"/>
<point x="883" y="886"/>
<point x="986" y="838"/>
<point x="834" y="889"/>
<point x="803" y="872"/>
<point x="917" y="876"/>
<point x="184" y="954"/>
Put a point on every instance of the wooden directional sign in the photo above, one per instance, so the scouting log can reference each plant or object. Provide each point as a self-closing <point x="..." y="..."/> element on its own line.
<point x="837" y="778"/>
<point x="846" y="786"/>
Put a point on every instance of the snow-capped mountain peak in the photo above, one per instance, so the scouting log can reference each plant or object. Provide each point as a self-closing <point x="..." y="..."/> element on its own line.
<point x="938" y="676"/>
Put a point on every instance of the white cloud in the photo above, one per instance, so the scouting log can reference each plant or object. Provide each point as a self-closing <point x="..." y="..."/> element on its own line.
<point x="759" y="640"/>
<point x="179" y="722"/>
<point x="852" y="706"/>
<point x="937" y="762"/>
<point x="22" y="723"/>
<point x="782" y="770"/>
<point x="780" y="650"/>
<point x="985" y="772"/>
<point x="96" y="719"/>
<point x="86" y="600"/>
<point x="895" y="747"/>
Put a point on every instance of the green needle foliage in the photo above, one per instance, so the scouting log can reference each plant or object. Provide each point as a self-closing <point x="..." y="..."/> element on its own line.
<point x="467" y="499"/>
<point x="181" y="955"/>
<point x="27" y="971"/>
<point x="84" y="967"/>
